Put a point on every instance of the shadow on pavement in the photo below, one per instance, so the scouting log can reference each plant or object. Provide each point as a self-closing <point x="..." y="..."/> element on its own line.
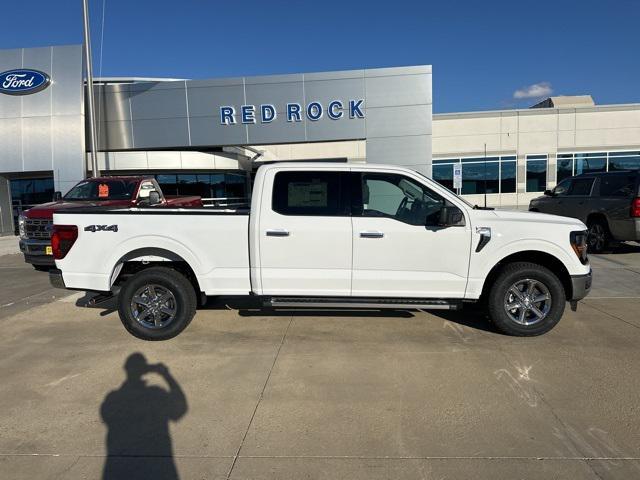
<point x="137" y="417"/>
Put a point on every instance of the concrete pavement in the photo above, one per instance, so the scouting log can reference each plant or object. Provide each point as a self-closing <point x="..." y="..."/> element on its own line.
<point x="326" y="395"/>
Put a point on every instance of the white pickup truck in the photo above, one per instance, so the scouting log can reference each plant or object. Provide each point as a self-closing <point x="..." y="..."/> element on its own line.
<point x="327" y="235"/>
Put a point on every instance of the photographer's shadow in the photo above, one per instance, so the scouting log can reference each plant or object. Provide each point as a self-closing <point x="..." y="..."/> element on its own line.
<point x="137" y="417"/>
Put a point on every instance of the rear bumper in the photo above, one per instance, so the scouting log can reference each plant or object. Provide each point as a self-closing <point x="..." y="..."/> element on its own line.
<point x="581" y="285"/>
<point x="35" y="252"/>
<point x="55" y="278"/>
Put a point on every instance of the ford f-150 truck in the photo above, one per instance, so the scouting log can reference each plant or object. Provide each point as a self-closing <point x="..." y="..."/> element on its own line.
<point x="127" y="191"/>
<point x="327" y="235"/>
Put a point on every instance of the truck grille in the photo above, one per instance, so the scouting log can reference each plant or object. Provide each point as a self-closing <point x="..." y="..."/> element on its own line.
<point x="38" y="228"/>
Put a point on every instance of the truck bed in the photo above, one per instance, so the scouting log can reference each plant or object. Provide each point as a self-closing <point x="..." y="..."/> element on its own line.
<point x="213" y="242"/>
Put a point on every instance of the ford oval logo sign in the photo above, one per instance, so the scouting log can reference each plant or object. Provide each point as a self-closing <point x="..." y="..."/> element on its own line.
<point x="23" y="81"/>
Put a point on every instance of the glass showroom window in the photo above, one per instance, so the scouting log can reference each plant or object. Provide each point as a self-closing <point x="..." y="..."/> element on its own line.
<point x="536" y="173"/>
<point x="508" y="174"/>
<point x="564" y="167"/>
<point x="493" y="174"/>
<point x="624" y="161"/>
<point x="443" y="174"/>
<point x="590" y="162"/>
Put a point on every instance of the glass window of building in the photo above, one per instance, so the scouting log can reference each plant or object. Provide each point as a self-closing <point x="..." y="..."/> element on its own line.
<point x="624" y="161"/>
<point x="508" y="175"/>
<point x="443" y="174"/>
<point x="536" y="173"/>
<point x="564" y="166"/>
<point x="590" y="162"/>
<point x="479" y="174"/>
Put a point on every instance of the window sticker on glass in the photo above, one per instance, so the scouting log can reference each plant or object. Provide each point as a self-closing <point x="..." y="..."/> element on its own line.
<point x="307" y="194"/>
<point x="103" y="190"/>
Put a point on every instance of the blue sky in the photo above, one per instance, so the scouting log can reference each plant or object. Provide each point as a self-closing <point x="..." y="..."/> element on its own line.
<point x="482" y="52"/>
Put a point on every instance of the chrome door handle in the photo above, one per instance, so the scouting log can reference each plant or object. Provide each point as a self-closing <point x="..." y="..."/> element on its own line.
<point x="371" y="234"/>
<point x="278" y="232"/>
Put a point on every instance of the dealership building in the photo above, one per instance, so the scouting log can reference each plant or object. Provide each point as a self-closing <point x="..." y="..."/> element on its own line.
<point x="207" y="137"/>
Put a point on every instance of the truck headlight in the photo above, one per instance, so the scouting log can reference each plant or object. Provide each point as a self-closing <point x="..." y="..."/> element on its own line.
<point x="578" y="242"/>
<point x="21" y="227"/>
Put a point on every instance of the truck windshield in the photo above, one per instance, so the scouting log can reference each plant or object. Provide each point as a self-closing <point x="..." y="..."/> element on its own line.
<point x="104" y="190"/>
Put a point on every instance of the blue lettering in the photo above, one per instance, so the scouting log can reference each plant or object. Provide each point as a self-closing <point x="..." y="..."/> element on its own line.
<point x="227" y="115"/>
<point x="335" y="110"/>
<point x="293" y="110"/>
<point x="354" y="109"/>
<point x="267" y="113"/>
<point x="314" y="111"/>
<point x="248" y="113"/>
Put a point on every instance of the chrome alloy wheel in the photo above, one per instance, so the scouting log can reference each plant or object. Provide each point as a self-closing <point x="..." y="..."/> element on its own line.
<point x="527" y="301"/>
<point x="153" y="306"/>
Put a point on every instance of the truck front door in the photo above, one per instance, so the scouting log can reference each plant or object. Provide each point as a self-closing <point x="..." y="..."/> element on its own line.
<point x="305" y="234"/>
<point x="398" y="248"/>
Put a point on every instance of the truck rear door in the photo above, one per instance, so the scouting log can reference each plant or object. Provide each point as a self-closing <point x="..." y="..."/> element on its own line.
<point x="305" y="233"/>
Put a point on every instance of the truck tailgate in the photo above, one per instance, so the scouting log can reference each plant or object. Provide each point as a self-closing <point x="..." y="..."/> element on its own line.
<point x="214" y="244"/>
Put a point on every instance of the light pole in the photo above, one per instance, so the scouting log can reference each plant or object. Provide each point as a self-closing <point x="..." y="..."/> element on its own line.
<point x="88" y="63"/>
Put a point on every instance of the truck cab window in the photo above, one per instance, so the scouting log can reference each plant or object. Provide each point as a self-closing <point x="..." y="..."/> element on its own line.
<point x="399" y="197"/>
<point x="309" y="193"/>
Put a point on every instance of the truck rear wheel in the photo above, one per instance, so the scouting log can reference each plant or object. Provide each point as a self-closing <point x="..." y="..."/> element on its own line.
<point x="526" y="299"/>
<point x="157" y="303"/>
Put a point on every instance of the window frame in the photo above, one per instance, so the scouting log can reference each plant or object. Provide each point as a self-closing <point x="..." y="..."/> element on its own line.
<point x="536" y="157"/>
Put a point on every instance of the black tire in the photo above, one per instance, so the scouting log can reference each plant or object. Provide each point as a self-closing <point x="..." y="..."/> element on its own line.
<point x="168" y="284"/>
<point x="42" y="268"/>
<point x="599" y="236"/>
<point x="525" y="274"/>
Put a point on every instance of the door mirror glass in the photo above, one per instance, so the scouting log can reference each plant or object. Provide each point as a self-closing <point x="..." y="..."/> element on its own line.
<point x="548" y="193"/>
<point x="450" y="216"/>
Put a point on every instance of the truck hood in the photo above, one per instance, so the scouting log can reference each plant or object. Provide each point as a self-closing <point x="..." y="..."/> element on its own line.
<point x="46" y="209"/>
<point x="536" y="217"/>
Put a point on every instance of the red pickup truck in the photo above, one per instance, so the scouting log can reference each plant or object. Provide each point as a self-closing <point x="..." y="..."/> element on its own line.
<point x="35" y="224"/>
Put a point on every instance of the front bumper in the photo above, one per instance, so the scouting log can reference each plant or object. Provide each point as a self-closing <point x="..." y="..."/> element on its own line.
<point x="55" y="278"/>
<point x="581" y="285"/>
<point x="35" y="252"/>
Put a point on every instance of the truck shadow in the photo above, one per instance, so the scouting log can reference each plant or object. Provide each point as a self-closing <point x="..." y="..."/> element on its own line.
<point x="251" y="307"/>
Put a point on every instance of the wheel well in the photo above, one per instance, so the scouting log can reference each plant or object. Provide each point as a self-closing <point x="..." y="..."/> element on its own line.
<point x="142" y="259"/>
<point x="597" y="216"/>
<point x="533" y="256"/>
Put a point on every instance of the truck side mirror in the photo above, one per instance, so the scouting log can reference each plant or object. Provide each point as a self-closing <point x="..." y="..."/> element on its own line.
<point x="548" y="193"/>
<point x="57" y="196"/>
<point x="154" y="198"/>
<point x="451" y="216"/>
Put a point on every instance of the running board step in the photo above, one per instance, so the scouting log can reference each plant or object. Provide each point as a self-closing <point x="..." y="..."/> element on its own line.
<point x="368" y="302"/>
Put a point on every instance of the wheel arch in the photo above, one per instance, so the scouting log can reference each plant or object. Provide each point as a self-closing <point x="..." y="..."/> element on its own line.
<point x="142" y="258"/>
<point x="545" y="259"/>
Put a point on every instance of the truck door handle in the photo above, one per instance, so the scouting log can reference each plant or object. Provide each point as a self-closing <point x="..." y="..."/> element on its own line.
<point x="370" y="234"/>
<point x="278" y="232"/>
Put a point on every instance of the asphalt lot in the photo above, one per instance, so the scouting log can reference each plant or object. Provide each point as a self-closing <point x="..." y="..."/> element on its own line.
<point x="364" y="395"/>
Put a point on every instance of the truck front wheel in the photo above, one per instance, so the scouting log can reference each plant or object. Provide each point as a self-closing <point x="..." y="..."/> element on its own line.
<point x="526" y="299"/>
<point x="156" y="303"/>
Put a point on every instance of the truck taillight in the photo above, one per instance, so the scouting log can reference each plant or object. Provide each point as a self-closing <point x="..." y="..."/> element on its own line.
<point x="635" y="207"/>
<point x="62" y="239"/>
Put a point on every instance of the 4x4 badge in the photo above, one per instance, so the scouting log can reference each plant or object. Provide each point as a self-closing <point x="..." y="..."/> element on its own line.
<point x="101" y="228"/>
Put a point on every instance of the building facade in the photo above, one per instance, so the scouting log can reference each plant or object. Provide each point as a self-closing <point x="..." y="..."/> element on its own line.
<point x="206" y="137"/>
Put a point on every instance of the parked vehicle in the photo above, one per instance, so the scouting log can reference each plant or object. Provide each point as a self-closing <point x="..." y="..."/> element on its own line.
<point x="609" y="204"/>
<point x="36" y="223"/>
<point x="327" y="235"/>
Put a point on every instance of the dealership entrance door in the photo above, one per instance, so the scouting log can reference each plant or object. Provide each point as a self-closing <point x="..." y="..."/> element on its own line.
<point x="26" y="192"/>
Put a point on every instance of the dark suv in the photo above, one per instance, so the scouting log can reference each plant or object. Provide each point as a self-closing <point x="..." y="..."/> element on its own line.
<point x="608" y="203"/>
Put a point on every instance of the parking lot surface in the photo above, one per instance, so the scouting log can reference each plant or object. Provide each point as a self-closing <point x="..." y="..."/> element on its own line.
<point x="356" y="395"/>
